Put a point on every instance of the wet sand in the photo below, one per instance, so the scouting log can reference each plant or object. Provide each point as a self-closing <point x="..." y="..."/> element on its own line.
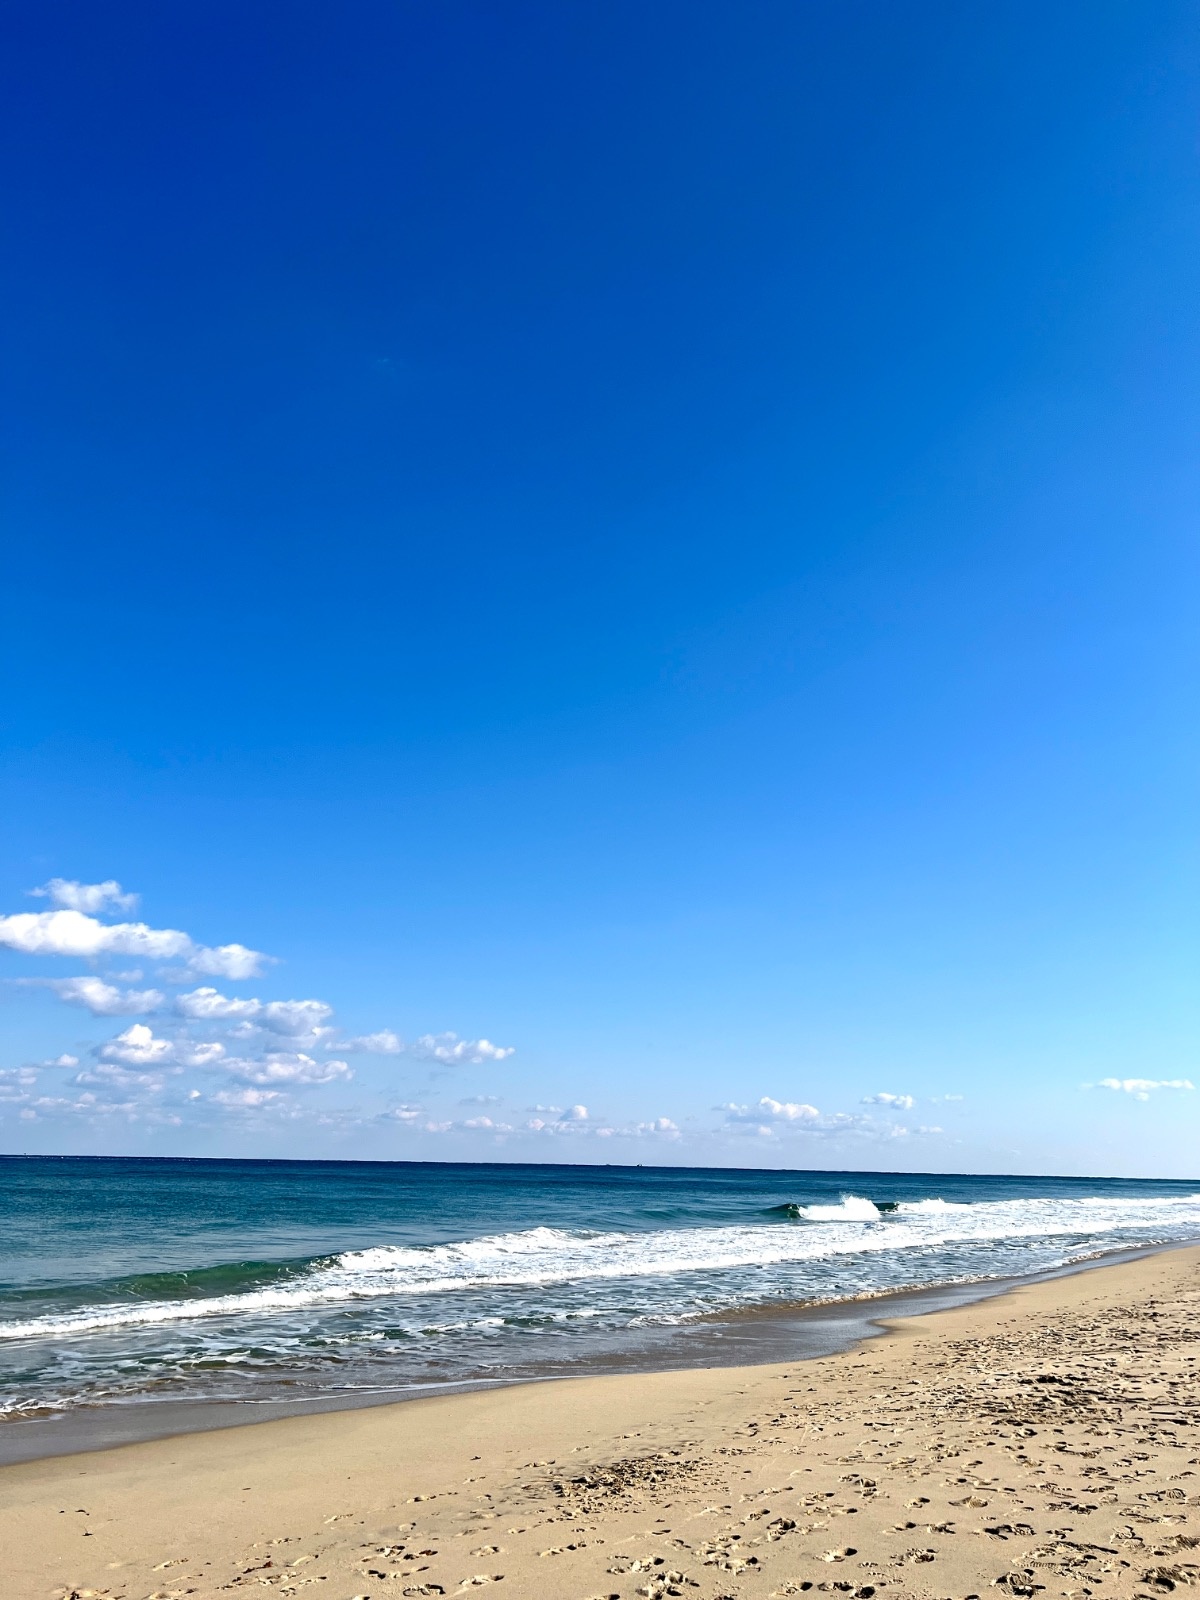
<point x="1043" y="1441"/>
<point x="752" y="1336"/>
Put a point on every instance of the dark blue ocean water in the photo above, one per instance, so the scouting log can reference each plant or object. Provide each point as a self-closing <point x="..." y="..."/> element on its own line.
<point x="124" y="1280"/>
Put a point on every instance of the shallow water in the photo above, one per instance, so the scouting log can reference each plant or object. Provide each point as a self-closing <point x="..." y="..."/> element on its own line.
<point x="129" y="1280"/>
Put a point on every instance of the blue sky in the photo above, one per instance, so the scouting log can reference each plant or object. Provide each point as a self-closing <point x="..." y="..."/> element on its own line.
<point x="657" y="540"/>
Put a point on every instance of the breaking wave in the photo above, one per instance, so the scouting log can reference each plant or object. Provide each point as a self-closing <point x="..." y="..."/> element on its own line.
<point x="948" y="1238"/>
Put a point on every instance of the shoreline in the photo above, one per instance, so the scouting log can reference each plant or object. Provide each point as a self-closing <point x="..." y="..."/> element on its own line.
<point x="749" y="1337"/>
<point x="1044" y="1442"/>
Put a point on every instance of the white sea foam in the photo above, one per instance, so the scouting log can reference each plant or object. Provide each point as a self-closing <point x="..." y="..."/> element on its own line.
<point x="851" y="1208"/>
<point x="542" y="1257"/>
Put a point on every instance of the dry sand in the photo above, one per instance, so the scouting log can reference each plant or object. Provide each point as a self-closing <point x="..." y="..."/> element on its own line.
<point x="1042" y="1442"/>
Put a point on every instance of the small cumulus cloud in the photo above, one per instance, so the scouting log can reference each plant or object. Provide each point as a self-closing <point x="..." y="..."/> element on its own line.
<point x="450" y="1050"/>
<point x="445" y="1049"/>
<point x="1142" y="1088"/>
<point x="895" y="1102"/>
<point x="559" y="1119"/>
<point x="233" y="961"/>
<point x="16" y="1084"/>
<point x="101" y="998"/>
<point x="209" y="1005"/>
<point x="769" y="1113"/>
<point x="768" y="1118"/>
<point x="407" y="1116"/>
<point x="139" y="1046"/>
<point x="296" y="1018"/>
<point x="92" y="898"/>
<point x="657" y="1128"/>
<point x="73" y="933"/>
<point x="577" y="1121"/>
<point x="248" y="1099"/>
<point x="110" y="1074"/>
<point x="382" y="1043"/>
<point x="293" y="1068"/>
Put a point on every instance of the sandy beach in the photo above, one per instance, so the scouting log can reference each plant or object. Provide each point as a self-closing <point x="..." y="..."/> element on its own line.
<point x="1045" y="1441"/>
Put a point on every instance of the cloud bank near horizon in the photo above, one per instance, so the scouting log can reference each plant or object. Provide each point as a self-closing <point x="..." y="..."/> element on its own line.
<point x="197" y="1054"/>
<point x="255" y="1055"/>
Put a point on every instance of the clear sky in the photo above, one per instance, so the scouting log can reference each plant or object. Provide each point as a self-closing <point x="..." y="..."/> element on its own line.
<point x="657" y="539"/>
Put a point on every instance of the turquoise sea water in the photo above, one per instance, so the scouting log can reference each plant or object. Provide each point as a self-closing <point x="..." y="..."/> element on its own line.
<point x="129" y="1280"/>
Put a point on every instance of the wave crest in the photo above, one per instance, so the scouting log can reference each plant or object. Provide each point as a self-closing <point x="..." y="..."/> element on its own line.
<point x="545" y="1256"/>
<point x="850" y="1208"/>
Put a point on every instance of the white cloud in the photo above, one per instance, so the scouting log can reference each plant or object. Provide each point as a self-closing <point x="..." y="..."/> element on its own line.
<point x="294" y="1018"/>
<point x="445" y="1048"/>
<point x="769" y="1112"/>
<point x="101" y="998"/>
<point x="659" y="1128"/>
<point x="405" y="1114"/>
<point x="209" y="1005"/>
<point x="263" y="1048"/>
<point x="248" y="1099"/>
<point x="15" y="1083"/>
<point x="572" y="1122"/>
<point x="92" y="897"/>
<point x="139" y="1046"/>
<point x="72" y="933"/>
<point x="141" y="1099"/>
<point x="383" y="1043"/>
<point x="577" y="1121"/>
<point x="233" y="961"/>
<point x="189" y="1053"/>
<point x="453" y="1051"/>
<point x="1142" y="1088"/>
<point x="111" y="1075"/>
<point x="290" y="1067"/>
<point x="554" y="1119"/>
<point x="770" y="1117"/>
<point x="897" y="1102"/>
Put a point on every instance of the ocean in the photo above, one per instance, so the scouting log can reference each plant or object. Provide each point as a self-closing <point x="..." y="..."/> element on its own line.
<point x="131" y="1282"/>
